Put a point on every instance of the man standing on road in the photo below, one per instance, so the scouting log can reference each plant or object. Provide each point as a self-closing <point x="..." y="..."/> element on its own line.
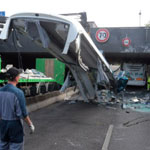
<point x="12" y="110"/>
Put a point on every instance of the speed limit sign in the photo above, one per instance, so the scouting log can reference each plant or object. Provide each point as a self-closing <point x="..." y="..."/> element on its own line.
<point x="102" y="35"/>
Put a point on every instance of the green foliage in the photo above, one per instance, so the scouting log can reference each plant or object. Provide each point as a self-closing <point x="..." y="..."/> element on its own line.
<point x="148" y="24"/>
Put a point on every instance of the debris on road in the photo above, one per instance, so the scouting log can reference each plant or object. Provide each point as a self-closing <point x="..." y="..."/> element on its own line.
<point x="72" y="102"/>
<point x="138" y="101"/>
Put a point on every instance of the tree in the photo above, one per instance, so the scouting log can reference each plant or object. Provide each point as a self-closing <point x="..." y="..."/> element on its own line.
<point x="148" y="24"/>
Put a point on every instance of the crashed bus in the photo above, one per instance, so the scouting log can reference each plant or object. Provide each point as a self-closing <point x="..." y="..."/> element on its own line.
<point x="66" y="39"/>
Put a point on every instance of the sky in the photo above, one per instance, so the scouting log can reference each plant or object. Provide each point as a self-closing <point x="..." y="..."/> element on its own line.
<point x="105" y="13"/>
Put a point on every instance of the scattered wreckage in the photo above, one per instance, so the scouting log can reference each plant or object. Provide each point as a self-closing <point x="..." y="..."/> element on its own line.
<point x="66" y="39"/>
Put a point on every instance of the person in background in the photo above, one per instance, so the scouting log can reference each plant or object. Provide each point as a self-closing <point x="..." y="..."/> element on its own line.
<point x="12" y="111"/>
<point x="148" y="82"/>
<point x="148" y="78"/>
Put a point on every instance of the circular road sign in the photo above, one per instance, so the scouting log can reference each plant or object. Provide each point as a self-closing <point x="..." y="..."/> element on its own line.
<point x="102" y="35"/>
<point x="126" y="42"/>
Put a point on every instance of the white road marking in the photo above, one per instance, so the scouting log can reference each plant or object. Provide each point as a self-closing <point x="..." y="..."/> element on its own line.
<point x="107" y="138"/>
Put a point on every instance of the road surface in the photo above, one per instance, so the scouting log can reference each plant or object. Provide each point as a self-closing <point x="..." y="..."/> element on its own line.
<point x="84" y="126"/>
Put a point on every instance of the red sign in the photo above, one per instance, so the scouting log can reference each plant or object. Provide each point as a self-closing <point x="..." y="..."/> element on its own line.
<point x="102" y="35"/>
<point x="126" y="42"/>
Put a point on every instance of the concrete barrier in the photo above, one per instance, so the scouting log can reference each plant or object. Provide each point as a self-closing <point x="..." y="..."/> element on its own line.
<point x="41" y="101"/>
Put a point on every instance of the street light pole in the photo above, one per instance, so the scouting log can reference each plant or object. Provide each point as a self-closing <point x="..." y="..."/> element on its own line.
<point x="140" y="18"/>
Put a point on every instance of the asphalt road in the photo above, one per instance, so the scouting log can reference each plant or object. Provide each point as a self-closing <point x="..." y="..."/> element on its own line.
<point x="83" y="126"/>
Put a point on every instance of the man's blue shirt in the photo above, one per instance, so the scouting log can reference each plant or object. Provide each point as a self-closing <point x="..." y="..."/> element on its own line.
<point x="12" y="103"/>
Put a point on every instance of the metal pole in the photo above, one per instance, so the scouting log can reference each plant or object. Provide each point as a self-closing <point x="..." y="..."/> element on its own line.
<point x="140" y="18"/>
